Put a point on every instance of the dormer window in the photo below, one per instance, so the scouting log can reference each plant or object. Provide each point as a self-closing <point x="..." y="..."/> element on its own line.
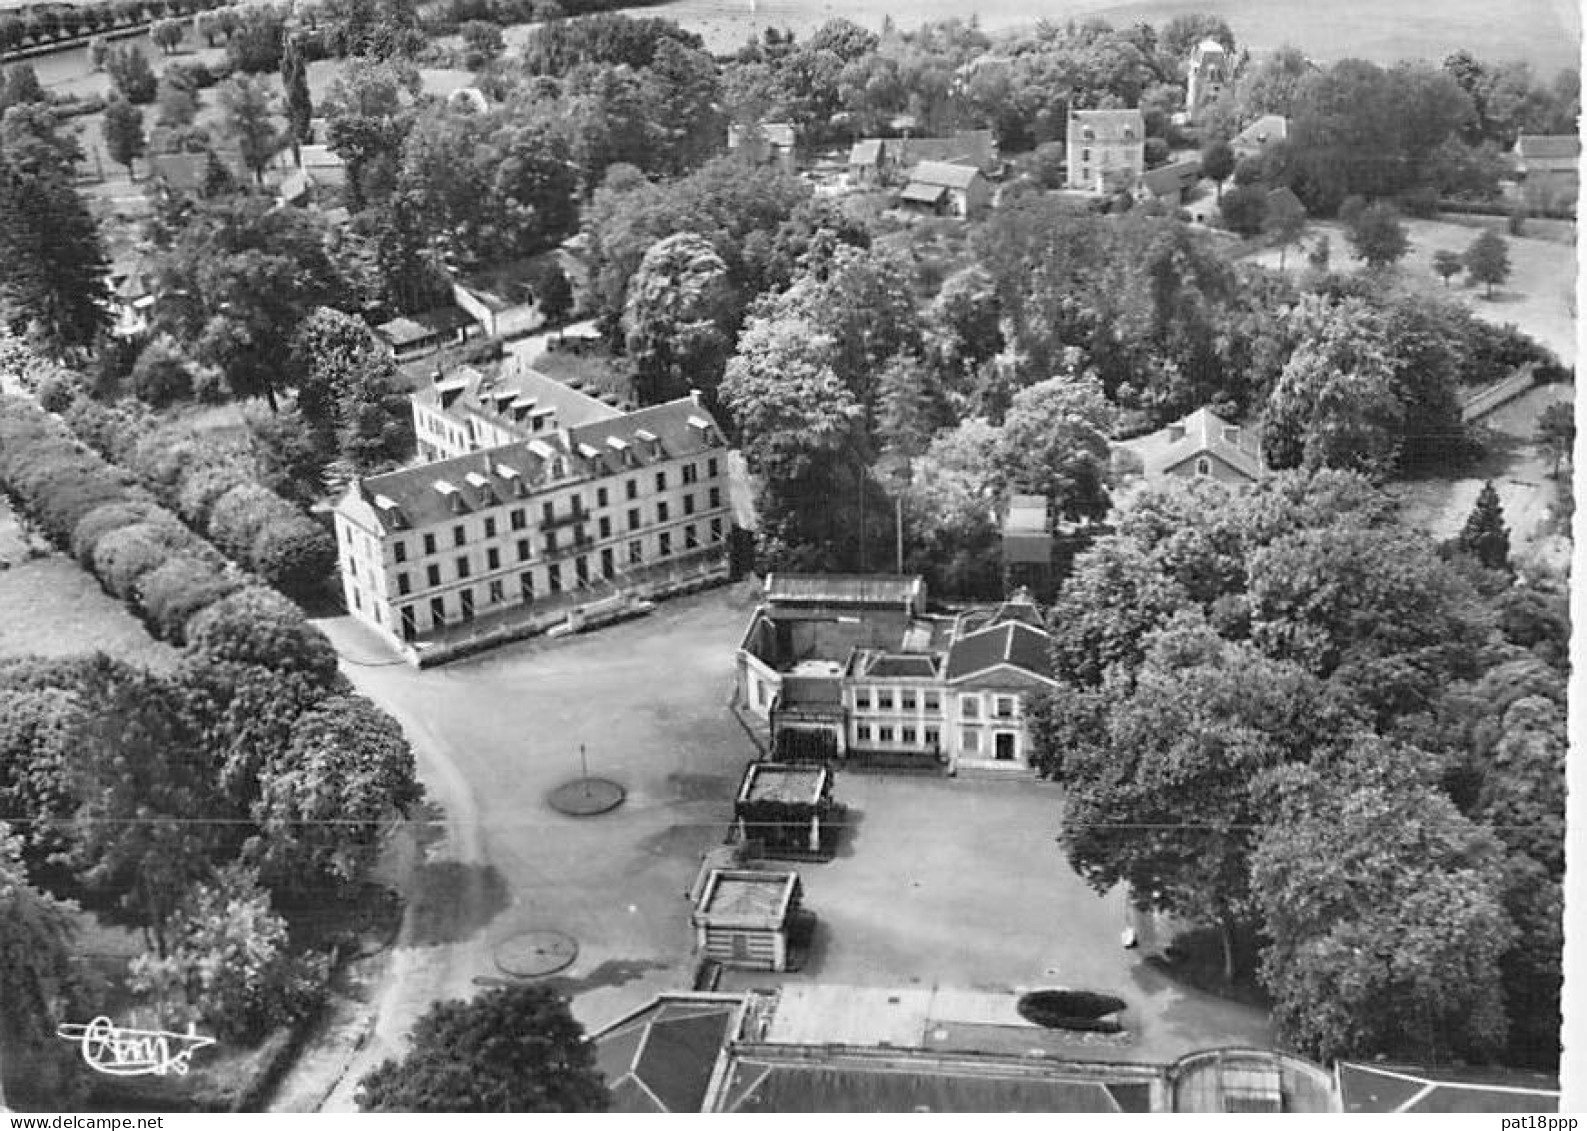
<point x="390" y="513"/>
<point x="449" y="492"/>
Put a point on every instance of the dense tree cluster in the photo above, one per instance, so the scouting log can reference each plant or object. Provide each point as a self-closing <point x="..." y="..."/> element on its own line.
<point x="515" y="1049"/>
<point x="1412" y="131"/>
<point x="1279" y="716"/>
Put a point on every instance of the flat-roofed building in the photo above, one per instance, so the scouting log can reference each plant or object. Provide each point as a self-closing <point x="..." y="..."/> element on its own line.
<point x="742" y="918"/>
<point x="514" y="536"/>
<point x="785" y="806"/>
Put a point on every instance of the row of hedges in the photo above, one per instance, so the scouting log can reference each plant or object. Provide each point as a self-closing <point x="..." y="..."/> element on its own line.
<point x="214" y="490"/>
<point x="140" y="552"/>
<point x="38" y="28"/>
<point x="143" y="554"/>
<point x="444" y="17"/>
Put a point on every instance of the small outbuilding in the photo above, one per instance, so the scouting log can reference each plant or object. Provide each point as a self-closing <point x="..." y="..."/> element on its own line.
<point x="785" y="807"/>
<point x="742" y="918"/>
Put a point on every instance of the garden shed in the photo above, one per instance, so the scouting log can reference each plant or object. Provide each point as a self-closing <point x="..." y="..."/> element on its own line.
<point x="742" y="918"/>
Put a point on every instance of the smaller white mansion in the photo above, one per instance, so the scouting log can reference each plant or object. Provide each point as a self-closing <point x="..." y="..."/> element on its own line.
<point x="855" y="664"/>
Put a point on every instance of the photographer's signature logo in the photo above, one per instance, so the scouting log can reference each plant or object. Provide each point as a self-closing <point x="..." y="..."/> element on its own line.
<point x="133" y="1052"/>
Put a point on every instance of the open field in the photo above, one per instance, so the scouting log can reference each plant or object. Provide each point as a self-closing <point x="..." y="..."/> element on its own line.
<point x="51" y="607"/>
<point x="1539" y="296"/>
<point x="1543" y="32"/>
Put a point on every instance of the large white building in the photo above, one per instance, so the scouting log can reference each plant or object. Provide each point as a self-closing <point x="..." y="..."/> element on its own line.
<point x="855" y="665"/>
<point x="515" y="535"/>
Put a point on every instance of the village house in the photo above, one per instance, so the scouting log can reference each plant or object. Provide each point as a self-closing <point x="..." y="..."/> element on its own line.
<point x="1547" y="168"/>
<point x="1267" y="130"/>
<point x="512" y="536"/>
<point x="1168" y="184"/>
<point x="857" y="661"/>
<point x="1202" y="444"/>
<point x="878" y="162"/>
<point x="468" y="409"/>
<point x="766" y="143"/>
<point x="1106" y="149"/>
<point x="945" y="189"/>
<point x="410" y="336"/>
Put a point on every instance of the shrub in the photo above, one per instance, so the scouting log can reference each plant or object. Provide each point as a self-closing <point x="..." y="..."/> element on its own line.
<point x="160" y="375"/>
<point x="57" y="389"/>
<point x="256" y="625"/>
<point x="101" y="521"/>
<point x="177" y="590"/>
<point x="164" y="458"/>
<point x="112" y="430"/>
<point x="295" y="554"/>
<point x="231" y="966"/>
<point x="124" y="555"/>
<point x="207" y="483"/>
<point x="237" y="517"/>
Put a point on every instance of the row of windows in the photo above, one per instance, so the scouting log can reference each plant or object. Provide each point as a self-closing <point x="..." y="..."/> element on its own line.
<point x="493" y="561"/>
<point x="930" y="700"/>
<point x="905" y="735"/>
<point x="518" y="519"/>
<point x="1003" y="706"/>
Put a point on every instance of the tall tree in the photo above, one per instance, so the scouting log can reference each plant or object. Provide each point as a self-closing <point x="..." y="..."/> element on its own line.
<point x="345" y="775"/>
<point x="1556" y="434"/>
<point x="1485" y="535"/>
<point x="295" y="85"/>
<point x="1488" y="260"/>
<point x="52" y="265"/>
<point x="1447" y="264"/>
<point x="150" y="824"/>
<point x="249" y="120"/>
<point x="1054" y="443"/>
<point x="1217" y="162"/>
<point x="1378" y="236"/>
<point x="678" y="318"/>
<point x="515" y="1049"/>
<point x="36" y="981"/>
<point x="1384" y="906"/>
<point x="123" y="129"/>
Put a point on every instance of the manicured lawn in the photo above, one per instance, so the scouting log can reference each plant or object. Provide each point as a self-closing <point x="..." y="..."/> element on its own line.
<point x="53" y="607"/>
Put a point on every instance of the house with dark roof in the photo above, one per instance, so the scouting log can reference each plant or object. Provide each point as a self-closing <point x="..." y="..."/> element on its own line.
<point x="1202" y="444"/>
<point x="468" y="409"/>
<point x="1547" y="168"/>
<point x="884" y="680"/>
<point x="943" y="188"/>
<point x="1106" y="149"/>
<point x="1256" y="137"/>
<point x="874" y="162"/>
<point x="410" y="336"/>
<point x="1168" y="184"/>
<point x="511" y="539"/>
<point x="663" y="1057"/>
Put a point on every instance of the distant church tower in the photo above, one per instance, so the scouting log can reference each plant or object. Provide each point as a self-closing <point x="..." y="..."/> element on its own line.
<point x="1210" y="66"/>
